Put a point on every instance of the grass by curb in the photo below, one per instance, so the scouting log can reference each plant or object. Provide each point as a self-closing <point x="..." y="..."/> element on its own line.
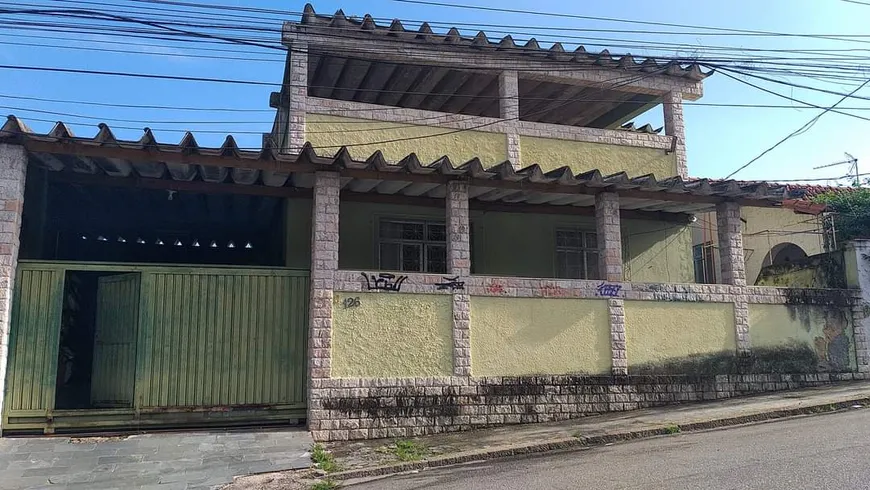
<point x="579" y="441"/>
<point x="324" y="459"/>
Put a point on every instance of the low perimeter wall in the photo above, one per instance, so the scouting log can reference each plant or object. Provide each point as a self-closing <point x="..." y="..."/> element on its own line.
<point x="421" y="354"/>
<point x="408" y="407"/>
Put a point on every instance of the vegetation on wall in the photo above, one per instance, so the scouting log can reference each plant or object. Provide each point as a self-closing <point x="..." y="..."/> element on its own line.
<point x="851" y="212"/>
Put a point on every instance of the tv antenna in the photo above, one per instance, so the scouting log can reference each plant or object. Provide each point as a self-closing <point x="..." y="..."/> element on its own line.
<point x="853" y="168"/>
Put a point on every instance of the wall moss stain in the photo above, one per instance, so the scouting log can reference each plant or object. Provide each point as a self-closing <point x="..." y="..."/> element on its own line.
<point x="582" y="156"/>
<point x="529" y="336"/>
<point x="329" y="133"/>
<point x="392" y="335"/>
<point x="658" y="332"/>
<point x="826" y="330"/>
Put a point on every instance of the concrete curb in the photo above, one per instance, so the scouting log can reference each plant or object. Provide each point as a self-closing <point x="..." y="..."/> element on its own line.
<point x="597" y="440"/>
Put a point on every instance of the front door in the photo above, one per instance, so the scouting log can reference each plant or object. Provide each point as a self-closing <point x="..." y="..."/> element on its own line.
<point x="114" y="362"/>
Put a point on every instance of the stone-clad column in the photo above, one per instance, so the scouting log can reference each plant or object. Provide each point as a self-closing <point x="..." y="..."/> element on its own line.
<point x="459" y="264"/>
<point x="324" y="263"/>
<point x="730" y="231"/>
<point x="675" y="126"/>
<point x="609" y="236"/>
<point x="13" y="166"/>
<point x="619" y="358"/>
<point x="298" y="95"/>
<point x="509" y="109"/>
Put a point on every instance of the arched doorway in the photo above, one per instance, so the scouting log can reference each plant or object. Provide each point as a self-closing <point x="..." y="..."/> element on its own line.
<point x="784" y="253"/>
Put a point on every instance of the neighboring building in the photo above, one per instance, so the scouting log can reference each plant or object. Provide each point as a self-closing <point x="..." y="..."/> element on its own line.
<point x="440" y="233"/>
<point x="771" y="236"/>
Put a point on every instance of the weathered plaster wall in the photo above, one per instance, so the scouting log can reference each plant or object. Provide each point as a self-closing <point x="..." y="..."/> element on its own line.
<point x="826" y="330"/>
<point x="297" y="230"/>
<point x="657" y="252"/>
<point x="392" y="334"/>
<point x="325" y="131"/>
<point x="609" y="159"/>
<point x="661" y="332"/>
<point x="765" y="228"/>
<point x="528" y="336"/>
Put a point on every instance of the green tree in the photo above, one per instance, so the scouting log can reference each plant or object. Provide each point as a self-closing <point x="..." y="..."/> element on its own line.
<point x="851" y="208"/>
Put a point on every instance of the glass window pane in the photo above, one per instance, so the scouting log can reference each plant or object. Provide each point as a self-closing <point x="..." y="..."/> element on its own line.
<point x="436" y="259"/>
<point x="437" y="232"/>
<point x="591" y="241"/>
<point x="412" y="231"/>
<point x="592" y="266"/>
<point x="390" y="229"/>
<point x="412" y="257"/>
<point x="389" y="256"/>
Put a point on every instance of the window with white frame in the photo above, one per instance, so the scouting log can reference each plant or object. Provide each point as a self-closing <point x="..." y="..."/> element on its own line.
<point x="412" y="245"/>
<point x="576" y="254"/>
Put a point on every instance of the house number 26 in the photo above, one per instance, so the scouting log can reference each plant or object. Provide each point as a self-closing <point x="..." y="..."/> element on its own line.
<point x="351" y="302"/>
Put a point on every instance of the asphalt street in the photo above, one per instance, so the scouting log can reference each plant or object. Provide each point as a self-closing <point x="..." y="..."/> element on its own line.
<point x="819" y="452"/>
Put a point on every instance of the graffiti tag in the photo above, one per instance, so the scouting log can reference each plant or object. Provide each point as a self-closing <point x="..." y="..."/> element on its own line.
<point x="451" y="283"/>
<point x="552" y="290"/>
<point x="495" y="288"/>
<point x="384" y="281"/>
<point x="609" y="290"/>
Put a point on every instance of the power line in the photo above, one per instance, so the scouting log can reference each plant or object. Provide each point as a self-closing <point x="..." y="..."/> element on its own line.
<point x="606" y="19"/>
<point x="800" y="130"/>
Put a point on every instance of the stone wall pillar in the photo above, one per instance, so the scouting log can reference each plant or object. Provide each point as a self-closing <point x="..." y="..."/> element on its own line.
<point x="619" y="358"/>
<point x="509" y="109"/>
<point x="857" y="260"/>
<point x="730" y="231"/>
<point x="459" y="264"/>
<point x="297" y="92"/>
<point x="324" y="263"/>
<point x="13" y="167"/>
<point x="675" y="126"/>
<point x="609" y="236"/>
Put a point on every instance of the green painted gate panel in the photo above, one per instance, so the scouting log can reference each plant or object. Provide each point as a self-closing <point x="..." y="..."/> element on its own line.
<point x="222" y="339"/>
<point x="32" y="366"/>
<point x="114" y="364"/>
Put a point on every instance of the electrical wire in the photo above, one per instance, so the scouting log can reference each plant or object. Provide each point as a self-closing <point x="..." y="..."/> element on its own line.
<point x="800" y="130"/>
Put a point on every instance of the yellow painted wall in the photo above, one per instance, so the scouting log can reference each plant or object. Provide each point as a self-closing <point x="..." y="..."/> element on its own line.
<point x="392" y="335"/>
<point x="764" y="229"/>
<point x="325" y="131"/>
<point x="524" y="336"/>
<point x="767" y="227"/>
<point x="825" y="330"/>
<point x="657" y="252"/>
<point x="658" y="332"/>
<point x="609" y="159"/>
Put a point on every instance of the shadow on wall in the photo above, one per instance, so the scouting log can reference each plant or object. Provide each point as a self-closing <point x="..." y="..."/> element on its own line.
<point x="794" y="358"/>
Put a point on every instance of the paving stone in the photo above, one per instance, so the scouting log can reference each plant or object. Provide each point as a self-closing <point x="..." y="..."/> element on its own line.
<point x="155" y="461"/>
<point x="50" y="471"/>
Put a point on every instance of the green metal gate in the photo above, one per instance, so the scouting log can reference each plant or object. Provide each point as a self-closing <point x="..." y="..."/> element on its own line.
<point x="174" y="346"/>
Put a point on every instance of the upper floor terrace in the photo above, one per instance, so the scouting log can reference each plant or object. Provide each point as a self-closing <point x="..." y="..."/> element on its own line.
<point x="351" y="82"/>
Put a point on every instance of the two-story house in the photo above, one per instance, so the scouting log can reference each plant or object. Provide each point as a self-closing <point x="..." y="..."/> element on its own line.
<point x="440" y="233"/>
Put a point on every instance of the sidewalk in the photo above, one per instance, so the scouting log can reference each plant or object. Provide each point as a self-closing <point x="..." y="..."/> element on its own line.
<point x="363" y="459"/>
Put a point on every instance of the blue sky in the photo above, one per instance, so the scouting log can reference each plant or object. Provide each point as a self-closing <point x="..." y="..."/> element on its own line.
<point x="720" y="139"/>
